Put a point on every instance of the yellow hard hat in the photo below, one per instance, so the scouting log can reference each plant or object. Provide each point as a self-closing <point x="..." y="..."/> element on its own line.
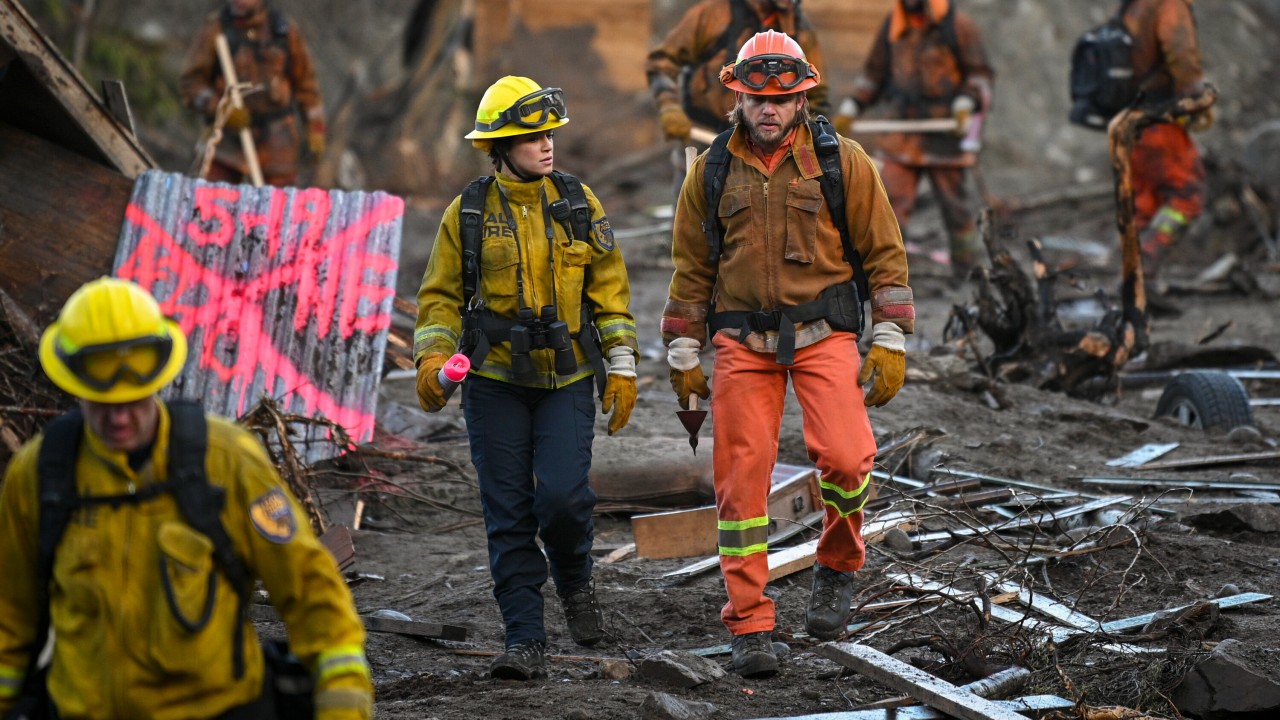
<point x="111" y="344"/>
<point x="516" y="106"/>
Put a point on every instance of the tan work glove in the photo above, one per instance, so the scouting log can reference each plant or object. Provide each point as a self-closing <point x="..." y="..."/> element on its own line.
<point x="1202" y="120"/>
<point x="686" y="372"/>
<point x="238" y="119"/>
<point x="315" y="137"/>
<point x="885" y="366"/>
<point x="620" y="388"/>
<point x="676" y="125"/>
<point x="845" y="116"/>
<point x="430" y="394"/>
<point x="962" y="110"/>
<point x="344" y="699"/>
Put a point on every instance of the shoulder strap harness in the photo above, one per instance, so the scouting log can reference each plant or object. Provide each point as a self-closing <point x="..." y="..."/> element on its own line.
<point x="480" y="329"/>
<point x="716" y="170"/>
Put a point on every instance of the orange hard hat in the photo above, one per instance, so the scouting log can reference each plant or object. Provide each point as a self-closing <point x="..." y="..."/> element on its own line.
<point x="770" y="63"/>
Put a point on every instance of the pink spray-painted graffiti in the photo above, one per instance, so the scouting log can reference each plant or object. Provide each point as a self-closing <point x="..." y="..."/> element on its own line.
<point x="338" y="283"/>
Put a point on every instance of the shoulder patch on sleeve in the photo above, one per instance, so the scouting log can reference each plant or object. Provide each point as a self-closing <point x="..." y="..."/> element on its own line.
<point x="272" y="516"/>
<point x="604" y="233"/>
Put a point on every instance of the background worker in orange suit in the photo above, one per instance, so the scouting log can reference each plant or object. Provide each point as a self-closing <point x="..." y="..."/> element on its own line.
<point x="779" y="298"/>
<point x="269" y="55"/>
<point x="928" y="61"/>
<point x="1168" y="175"/>
<point x="684" y="69"/>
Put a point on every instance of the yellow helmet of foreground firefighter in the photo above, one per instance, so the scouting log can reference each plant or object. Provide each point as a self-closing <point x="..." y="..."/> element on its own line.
<point x="770" y="63"/>
<point x="111" y="344"/>
<point x="516" y="106"/>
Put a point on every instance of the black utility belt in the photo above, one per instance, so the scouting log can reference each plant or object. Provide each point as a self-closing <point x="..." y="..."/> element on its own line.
<point x="840" y="305"/>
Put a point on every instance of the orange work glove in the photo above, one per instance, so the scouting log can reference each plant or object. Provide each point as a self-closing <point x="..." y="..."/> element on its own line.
<point x="315" y="138"/>
<point x="238" y="118"/>
<point x="686" y="372"/>
<point x="885" y="366"/>
<point x="620" y="388"/>
<point x="676" y="125"/>
<point x="430" y="394"/>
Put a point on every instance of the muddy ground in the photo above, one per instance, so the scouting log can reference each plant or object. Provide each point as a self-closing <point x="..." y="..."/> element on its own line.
<point x="434" y="563"/>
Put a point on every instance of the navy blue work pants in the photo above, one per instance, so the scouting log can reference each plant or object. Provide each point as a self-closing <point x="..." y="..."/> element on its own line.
<point x="531" y="448"/>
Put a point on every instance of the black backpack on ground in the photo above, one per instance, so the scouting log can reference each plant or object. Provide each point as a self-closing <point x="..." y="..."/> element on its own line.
<point x="200" y="503"/>
<point x="1102" y="79"/>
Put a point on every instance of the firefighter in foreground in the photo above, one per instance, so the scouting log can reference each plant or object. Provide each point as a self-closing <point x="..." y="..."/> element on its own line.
<point x="928" y="61"/>
<point x="778" y="294"/>
<point x="269" y="54"/>
<point x="526" y="279"/>
<point x="1168" y="175"/>
<point x="146" y="614"/>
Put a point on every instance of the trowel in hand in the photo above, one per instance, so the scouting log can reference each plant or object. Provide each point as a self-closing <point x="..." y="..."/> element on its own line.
<point x="692" y="420"/>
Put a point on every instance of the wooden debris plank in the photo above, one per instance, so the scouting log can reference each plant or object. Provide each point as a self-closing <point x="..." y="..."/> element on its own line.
<point x="1004" y="682"/>
<point x="933" y="691"/>
<point x="1029" y="706"/>
<point x="1144" y="454"/>
<point x="1048" y="492"/>
<point x="337" y="540"/>
<point x="434" y="631"/>
<point x="693" y="531"/>
<point x="1212" y="460"/>
<point x="618" y="554"/>
<point x="1139" y="621"/>
<point x="1139" y="483"/>
<point x="1026" y="521"/>
<point x="1047" y="605"/>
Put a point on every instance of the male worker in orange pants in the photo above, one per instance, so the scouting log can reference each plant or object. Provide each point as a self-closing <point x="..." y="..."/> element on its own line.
<point x="777" y="288"/>
<point x="1168" y="176"/>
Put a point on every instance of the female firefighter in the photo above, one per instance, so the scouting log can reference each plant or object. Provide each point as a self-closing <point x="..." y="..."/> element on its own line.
<point x="526" y="279"/>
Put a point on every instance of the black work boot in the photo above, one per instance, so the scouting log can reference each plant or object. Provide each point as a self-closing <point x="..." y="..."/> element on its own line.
<point x="753" y="655"/>
<point x="583" y="615"/>
<point x="829" y="609"/>
<point x="522" y="661"/>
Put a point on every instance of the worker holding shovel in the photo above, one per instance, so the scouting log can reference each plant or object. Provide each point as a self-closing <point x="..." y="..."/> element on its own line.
<point x="256" y="57"/>
<point x="928" y="62"/>
<point x="776" y="271"/>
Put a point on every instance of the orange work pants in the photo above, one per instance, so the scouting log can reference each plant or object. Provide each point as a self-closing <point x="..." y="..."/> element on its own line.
<point x="749" y="392"/>
<point x="1167" y="172"/>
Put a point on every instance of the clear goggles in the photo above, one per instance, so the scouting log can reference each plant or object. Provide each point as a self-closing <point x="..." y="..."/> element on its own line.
<point x="103" y="366"/>
<point x="788" y="71"/>
<point x="531" y="111"/>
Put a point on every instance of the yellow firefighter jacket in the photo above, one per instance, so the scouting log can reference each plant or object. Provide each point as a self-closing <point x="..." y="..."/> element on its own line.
<point x="119" y="651"/>
<point x="552" y="271"/>
<point x="781" y="248"/>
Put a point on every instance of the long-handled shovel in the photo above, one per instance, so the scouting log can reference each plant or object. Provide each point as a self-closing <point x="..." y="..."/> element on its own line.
<point x="692" y="420"/>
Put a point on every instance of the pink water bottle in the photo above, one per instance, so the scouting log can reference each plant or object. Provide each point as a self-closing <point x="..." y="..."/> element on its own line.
<point x="452" y="374"/>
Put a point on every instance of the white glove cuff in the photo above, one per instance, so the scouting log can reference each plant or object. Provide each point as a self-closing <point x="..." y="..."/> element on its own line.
<point x="889" y="335"/>
<point x="622" y="361"/>
<point x="682" y="354"/>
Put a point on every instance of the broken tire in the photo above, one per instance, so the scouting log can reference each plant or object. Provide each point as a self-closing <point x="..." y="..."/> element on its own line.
<point x="1208" y="400"/>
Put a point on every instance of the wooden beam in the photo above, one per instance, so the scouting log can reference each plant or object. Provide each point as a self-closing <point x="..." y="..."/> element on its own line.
<point x="1030" y="706"/>
<point x="1028" y="521"/>
<point x="59" y="221"/>
<point x="72" y="93"/>
<point x="933" y="691"/>
<point x="413" y="628"/>
<point x="118" y="103"/>
<point x="337" y="540"/>
<point x="1212" y="460"/>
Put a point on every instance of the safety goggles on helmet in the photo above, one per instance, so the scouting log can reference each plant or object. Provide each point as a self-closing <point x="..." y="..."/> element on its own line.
<point x="531" y="111"/>
<point x="103" y="366"/>
<point x="755" y="72"/>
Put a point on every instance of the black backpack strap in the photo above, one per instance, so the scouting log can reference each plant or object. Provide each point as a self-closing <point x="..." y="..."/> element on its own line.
<point x="56" y="480"/>
<point x="471" y="224"/>
<point x="578" y="225"/>
<point x="827" y="145"/>
<point x="201" y="503"/>
<point x="714" y="173"/>
<point x="741" y="17"/>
